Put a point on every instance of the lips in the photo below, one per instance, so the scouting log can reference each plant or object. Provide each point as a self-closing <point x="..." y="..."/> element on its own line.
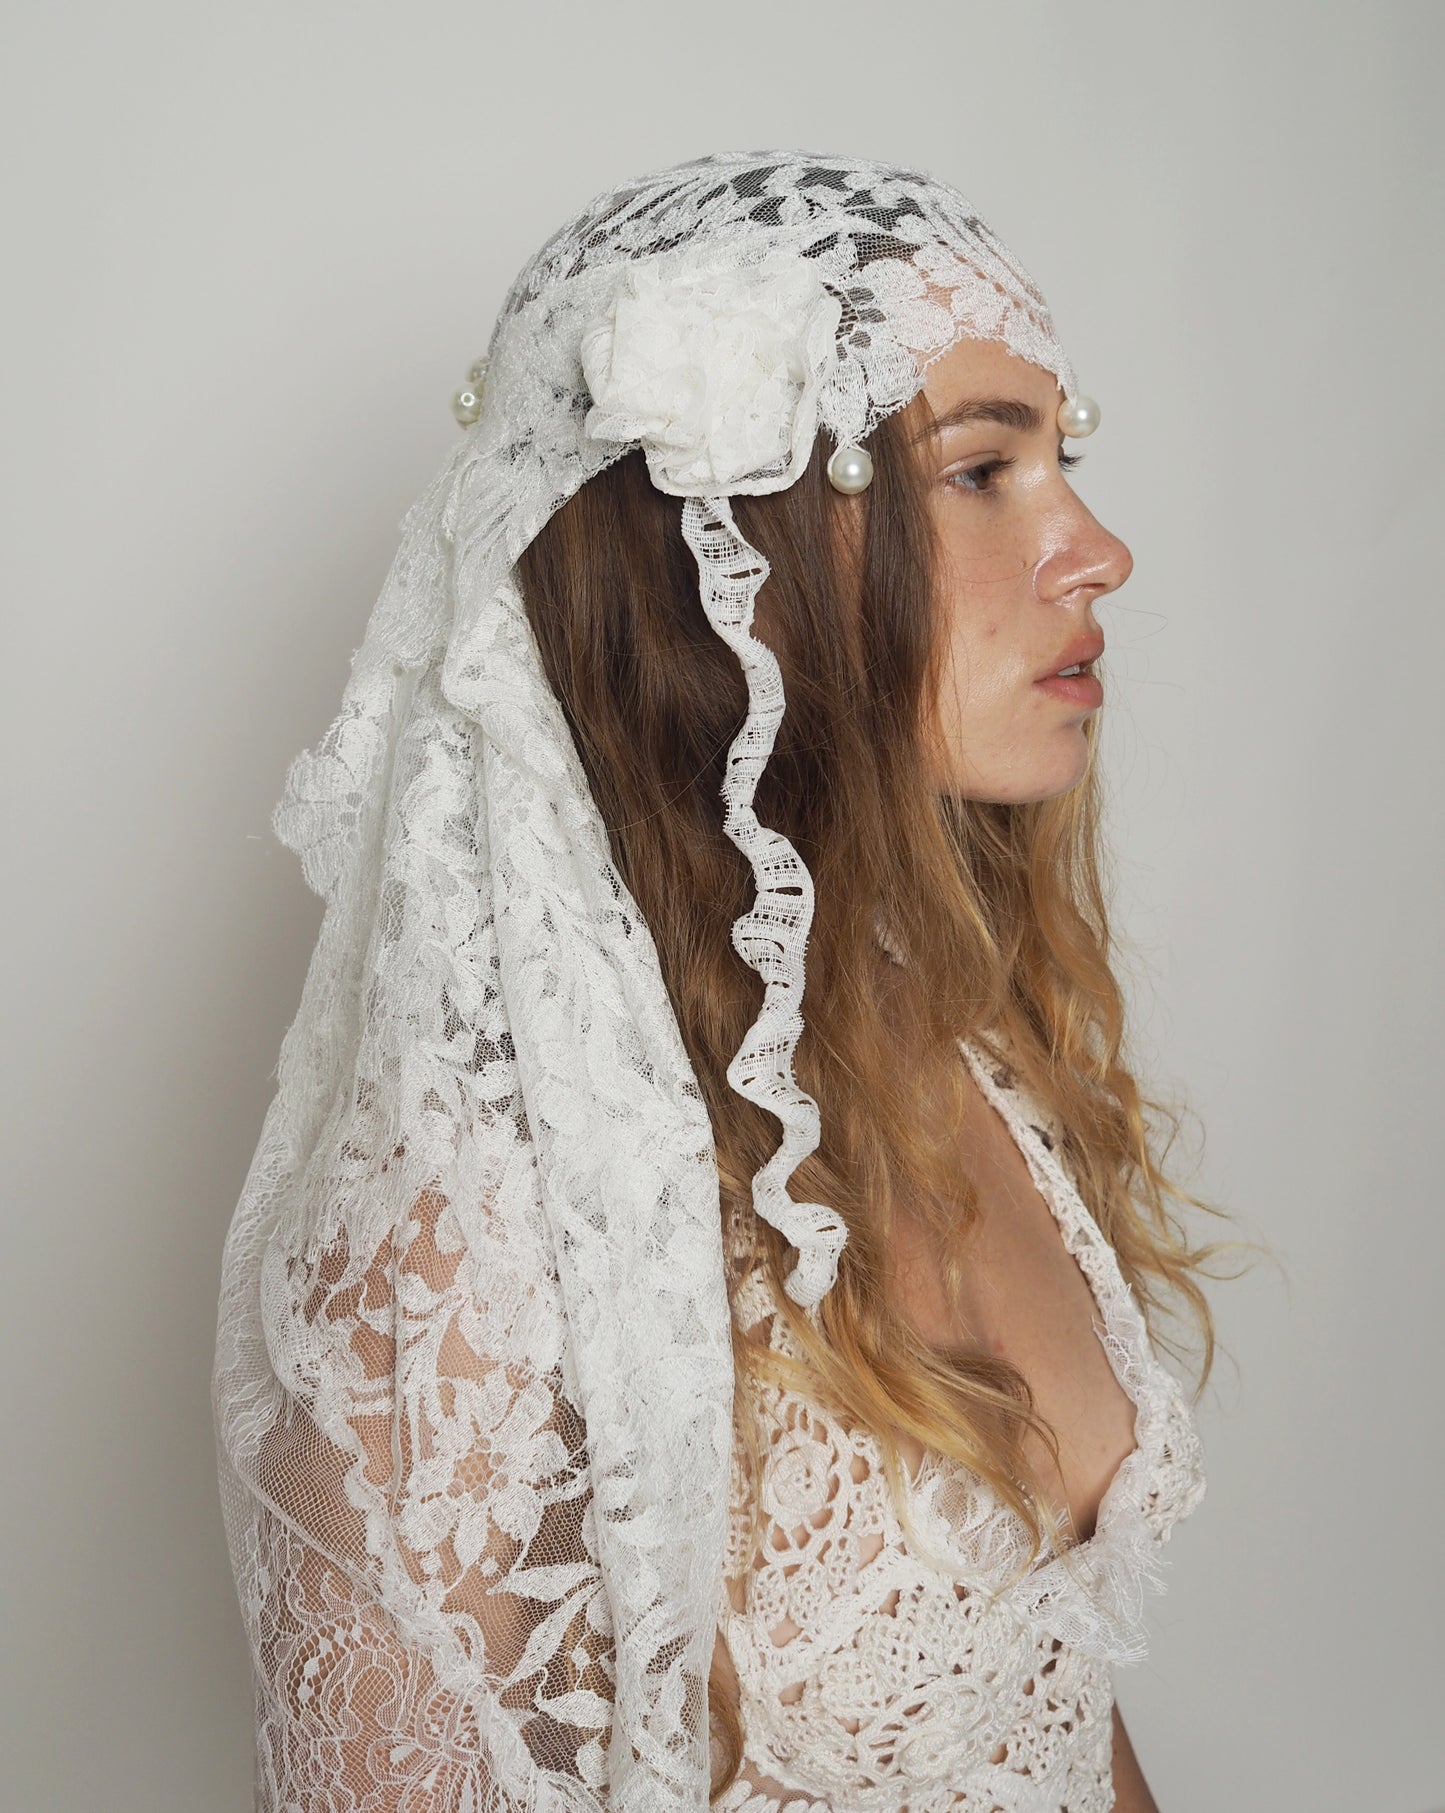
<point x="1078" y="654"/>
<point x="1075" y="689"/>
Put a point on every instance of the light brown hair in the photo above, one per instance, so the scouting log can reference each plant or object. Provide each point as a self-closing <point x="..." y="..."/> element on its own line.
<point x="1002" y="910"/>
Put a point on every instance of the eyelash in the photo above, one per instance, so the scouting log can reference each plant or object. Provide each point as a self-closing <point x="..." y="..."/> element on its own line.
<point x="1067" y="462"/>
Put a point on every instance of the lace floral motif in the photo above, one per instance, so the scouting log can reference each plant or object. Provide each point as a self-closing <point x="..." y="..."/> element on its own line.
<point x="714" y="369"/>
<point x="880" y="1666"/>
<point x="473" y="1336"/>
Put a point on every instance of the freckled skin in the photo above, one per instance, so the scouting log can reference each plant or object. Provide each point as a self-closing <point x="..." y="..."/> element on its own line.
<point x="1024" y="562"/>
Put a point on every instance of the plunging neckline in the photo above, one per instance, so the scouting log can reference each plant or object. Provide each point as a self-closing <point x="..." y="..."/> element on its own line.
<point x="1034" y="1140"/>
<point x="1088" y="1595"/>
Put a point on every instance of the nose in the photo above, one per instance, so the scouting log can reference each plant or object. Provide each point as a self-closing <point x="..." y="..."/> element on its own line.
<point x="1085" y="561"/>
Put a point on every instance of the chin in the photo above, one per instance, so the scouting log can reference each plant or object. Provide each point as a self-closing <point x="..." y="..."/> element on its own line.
<point x="1050" y="773"/>
<point x="1064" y="783"/>
<point x="1046" y="779"/>
<point x="1065" y="766"/>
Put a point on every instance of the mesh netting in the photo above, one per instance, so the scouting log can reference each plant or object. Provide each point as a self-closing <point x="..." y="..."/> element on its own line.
<point x="473" y="1376"/>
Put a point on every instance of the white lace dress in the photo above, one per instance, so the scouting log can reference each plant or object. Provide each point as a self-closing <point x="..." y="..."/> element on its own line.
<point x="879" y="1669"/>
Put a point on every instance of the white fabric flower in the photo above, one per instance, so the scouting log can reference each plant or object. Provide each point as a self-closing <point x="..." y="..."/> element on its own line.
<point x="715" y="369"/>
<point x="797" y="1482"/>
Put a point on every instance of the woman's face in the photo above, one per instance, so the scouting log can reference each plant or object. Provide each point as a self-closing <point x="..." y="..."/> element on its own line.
<point x="1022" y="565"/>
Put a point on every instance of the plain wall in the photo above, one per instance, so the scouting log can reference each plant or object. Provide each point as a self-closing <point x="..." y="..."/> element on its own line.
<point x="251" y="251"/>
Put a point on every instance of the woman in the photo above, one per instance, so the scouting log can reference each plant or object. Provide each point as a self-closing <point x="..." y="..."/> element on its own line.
<point x="582" y="1444"/>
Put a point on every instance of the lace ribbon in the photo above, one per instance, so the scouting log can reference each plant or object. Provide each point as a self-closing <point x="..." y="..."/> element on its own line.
<point x="772" y="935"/>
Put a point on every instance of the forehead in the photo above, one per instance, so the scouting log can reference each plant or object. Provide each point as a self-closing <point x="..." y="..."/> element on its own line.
<point x="987" y="368"/>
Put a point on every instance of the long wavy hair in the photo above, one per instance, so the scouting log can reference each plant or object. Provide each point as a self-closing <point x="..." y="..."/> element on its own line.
<point x="1002" y="909"/>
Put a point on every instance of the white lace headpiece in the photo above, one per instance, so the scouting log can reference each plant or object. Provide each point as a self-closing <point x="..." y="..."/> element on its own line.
<point x="473" y="1378"/>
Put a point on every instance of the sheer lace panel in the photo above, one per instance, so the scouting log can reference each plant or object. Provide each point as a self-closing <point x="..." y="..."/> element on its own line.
<point x="879" y="1666"/>
<point x="473" y="1373"/>
<point x="384" y="1653"/>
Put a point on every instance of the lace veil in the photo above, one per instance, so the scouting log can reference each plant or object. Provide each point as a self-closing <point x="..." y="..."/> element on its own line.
<point x="473" y="1376"/>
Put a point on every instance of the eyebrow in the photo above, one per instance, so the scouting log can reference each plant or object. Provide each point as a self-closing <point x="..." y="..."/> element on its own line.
<point x="1009" y="412"/>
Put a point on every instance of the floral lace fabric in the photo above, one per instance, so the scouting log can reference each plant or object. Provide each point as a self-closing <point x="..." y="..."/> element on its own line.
<point x="473" y="1374"/>
<point x="879" y="1666"/>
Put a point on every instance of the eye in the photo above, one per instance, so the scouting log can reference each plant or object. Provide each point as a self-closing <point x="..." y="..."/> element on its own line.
<point x="979" y="479"/>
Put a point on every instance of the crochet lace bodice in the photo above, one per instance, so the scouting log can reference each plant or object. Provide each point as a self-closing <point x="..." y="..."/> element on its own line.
<point x="879" y="1668"/>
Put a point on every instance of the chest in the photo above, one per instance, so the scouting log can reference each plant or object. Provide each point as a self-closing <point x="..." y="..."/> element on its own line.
<point x="1023" y="1298"/>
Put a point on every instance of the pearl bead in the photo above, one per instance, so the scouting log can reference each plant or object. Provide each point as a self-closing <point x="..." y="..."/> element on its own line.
<point x="850" y="470"/>
<point x="1078" y="416"/>
<point x="477" y="372"/>
<point x="467" y="405"/>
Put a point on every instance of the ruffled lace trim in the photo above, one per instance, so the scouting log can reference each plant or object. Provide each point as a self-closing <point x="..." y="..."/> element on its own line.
<point x="772" y="936"/>
<point x="1091" y="1595"/>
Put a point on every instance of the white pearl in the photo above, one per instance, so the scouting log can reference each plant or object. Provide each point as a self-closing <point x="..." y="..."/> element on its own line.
<point x="850" y="470"/>
<point x="477" y="372"/>
<point x="467" y="405"/>
<point x="1078" y="416"/>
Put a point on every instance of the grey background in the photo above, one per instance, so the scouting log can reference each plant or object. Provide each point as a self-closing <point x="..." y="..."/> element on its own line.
<point x="252" y="249"/>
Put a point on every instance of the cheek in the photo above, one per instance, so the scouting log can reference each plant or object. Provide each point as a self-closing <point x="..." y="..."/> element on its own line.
<point x="986" y="570"/>
<point x="985" y="552"/>
<point x="982" y="668"/>
<point x="982" y="614"/>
